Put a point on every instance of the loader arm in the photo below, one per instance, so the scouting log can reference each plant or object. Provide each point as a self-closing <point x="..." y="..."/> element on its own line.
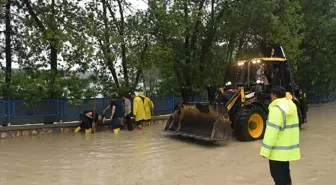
<point x="240" y="93"/>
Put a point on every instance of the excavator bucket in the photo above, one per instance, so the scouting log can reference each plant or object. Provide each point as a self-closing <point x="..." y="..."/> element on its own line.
<point x="200" y="121"/>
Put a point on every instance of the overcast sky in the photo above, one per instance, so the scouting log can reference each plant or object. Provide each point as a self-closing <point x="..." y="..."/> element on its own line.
<point x="136" y="4"/>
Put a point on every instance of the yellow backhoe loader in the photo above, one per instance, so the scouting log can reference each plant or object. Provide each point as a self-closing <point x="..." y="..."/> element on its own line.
<point x="241" y="106"/>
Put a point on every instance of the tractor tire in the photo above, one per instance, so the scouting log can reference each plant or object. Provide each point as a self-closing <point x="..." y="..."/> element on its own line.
<point x="250" y="123"/>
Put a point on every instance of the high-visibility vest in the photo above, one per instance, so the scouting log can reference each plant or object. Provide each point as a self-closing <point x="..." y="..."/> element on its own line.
<point x="282" y="135"/>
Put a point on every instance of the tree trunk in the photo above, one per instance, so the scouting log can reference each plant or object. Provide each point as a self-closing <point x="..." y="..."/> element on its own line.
<point x="106" y="47"/>
<point x="196" y="30"/>
<point x="53" y="68"/>
<point x="53" y="52"/>
<point x="142" y="58"/>
<point x="8" y="48"/>
<point x="52" y="42"/>
<point x="123" y="44"/>
<point x="137" y="78"/>
<point x="187" y="66"/>
<point x="211" y="32"/>
<point x="229" y="57"/>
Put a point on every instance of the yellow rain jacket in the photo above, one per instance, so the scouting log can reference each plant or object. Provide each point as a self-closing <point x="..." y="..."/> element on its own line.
<point x="138" y="109"/>
<point x="282" y="135"/>
<point x="148" y="105"/>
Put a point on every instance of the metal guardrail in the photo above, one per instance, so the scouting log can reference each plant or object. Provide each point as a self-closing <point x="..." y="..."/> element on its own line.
<point x="54" y="110"/>
<point x="3" y="109"/>
<point x="14" y="112"/>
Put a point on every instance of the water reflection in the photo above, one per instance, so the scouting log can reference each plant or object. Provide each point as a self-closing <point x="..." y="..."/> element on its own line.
<point x="84" y="159"/>
<point x="149" y="158"/>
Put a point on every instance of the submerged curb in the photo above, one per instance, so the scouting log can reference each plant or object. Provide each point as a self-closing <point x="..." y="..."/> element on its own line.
<point x="41" y="129"/>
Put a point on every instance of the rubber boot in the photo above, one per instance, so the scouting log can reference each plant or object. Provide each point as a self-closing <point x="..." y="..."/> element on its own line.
<point x="77" y="129"/>
<point x="88" y="131"/>
<point x="116" y="131"/>
<point x="145" y="124"/>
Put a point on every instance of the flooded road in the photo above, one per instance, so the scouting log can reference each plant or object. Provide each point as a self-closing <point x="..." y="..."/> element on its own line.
<point x="149" y="158"/>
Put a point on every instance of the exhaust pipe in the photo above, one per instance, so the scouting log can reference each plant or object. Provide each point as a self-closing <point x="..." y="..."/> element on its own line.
<point x="282" y="51"/>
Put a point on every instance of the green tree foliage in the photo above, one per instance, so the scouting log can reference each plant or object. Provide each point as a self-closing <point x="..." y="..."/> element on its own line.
<point x="163" y="47"/>
<point x="52" y="33"/>
<point x="318" y="60"/>
<point x="48" y="33"/>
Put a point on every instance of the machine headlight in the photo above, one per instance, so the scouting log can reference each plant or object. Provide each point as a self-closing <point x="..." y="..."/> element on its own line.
<point x="228" y="83"/>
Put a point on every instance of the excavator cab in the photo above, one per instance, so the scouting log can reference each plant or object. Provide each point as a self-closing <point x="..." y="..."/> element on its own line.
<point x="241" y="105"/>
<point x="260" y="76"/>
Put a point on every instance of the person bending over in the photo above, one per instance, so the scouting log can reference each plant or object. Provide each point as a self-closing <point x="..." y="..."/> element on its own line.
<point x="89" y="121"/>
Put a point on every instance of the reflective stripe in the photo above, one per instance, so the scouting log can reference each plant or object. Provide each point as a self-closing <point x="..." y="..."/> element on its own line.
<point x="273" y="125"/>
<point x="293" y="126"/>
<point x="279" y="127"/>
<point x="281" y="147"/>
<point x="283" y="115"/>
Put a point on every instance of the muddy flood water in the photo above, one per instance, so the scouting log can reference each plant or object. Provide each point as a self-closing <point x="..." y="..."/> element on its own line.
<point x="149" y="158"/>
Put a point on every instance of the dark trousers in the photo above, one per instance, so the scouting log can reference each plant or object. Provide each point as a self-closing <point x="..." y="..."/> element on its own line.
<point x="280" y="172"/>
<point x="85" y="122"/>
<point x="115" y="123"/>
<point x="138" y="123"/>
<point x="128" y="122"/>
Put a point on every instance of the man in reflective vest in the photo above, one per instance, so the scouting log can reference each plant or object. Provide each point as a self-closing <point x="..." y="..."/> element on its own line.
<point x="281" y="140"/>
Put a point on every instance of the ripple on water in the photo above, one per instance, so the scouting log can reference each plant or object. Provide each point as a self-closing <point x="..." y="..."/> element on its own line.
<point x="102" y="145"/>
<point x="149" y="158"/>
<point x="69" y="154"/>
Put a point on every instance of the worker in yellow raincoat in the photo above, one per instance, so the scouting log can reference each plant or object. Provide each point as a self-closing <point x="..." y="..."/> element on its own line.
<point x="139" y="110"/>
<point x="149" y="107"/>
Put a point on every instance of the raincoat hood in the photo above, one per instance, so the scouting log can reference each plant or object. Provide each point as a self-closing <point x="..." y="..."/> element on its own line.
<point x="141" y="94"/>
<point x="287" y="105"/>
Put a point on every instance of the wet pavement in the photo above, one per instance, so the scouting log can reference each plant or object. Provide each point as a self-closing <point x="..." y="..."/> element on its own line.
<point x="149" y="158"/>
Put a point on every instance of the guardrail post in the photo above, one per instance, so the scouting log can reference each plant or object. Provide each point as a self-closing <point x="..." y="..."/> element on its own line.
<point x="9" y="111"/>
<point x="60" y="107"/>
<point x="102" y="105"/>
<point x="171" y="103"/>
<point x="65" y="109"/>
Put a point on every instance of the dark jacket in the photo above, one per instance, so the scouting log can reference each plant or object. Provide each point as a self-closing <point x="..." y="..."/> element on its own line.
<point x="94" y="118"/>
<point x="118" y="108"/>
